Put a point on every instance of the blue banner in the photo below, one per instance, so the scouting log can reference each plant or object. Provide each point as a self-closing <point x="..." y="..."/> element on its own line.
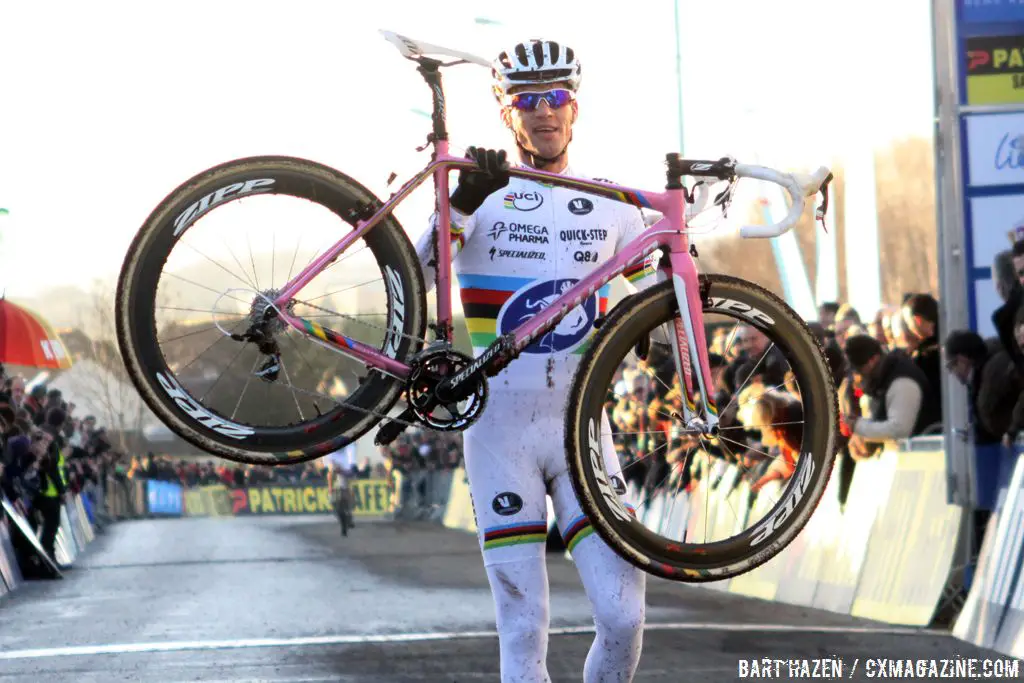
<point x="991" y="11"/>
<point x="163" y="498"/>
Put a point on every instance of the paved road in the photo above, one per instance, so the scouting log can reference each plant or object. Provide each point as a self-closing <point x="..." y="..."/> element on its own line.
<point x="287" y="599"/>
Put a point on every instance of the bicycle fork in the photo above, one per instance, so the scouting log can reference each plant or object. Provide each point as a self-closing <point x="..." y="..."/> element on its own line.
<point x="689" y="343"/>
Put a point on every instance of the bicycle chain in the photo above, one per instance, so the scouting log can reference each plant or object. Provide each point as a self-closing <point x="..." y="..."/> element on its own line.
<point x="317" y="394"/>
<point x="356" y="408"/>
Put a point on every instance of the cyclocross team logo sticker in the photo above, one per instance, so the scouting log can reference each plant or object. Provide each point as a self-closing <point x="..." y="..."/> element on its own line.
<point x="580" y="206"/>
<point x="519" y="232"/>
<point x="523" y="201"/>
<point x="507" y="504"/>
<point x="528" y="302"/>
<point x="517" y="254"/>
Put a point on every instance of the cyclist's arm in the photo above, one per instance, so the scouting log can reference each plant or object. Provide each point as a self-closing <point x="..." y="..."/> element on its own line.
<point x="461" y="229"/>
<point x="642" y="274"/>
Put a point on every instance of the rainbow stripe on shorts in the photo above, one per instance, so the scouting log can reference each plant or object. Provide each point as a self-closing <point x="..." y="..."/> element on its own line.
<point x="515" y="534"/>
<point x="580" y="528"/>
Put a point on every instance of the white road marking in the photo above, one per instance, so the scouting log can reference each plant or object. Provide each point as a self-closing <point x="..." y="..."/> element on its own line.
<point x="306" y="641"/>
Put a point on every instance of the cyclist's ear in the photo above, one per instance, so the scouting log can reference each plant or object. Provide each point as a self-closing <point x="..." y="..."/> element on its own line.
<point x="575" y="110"/>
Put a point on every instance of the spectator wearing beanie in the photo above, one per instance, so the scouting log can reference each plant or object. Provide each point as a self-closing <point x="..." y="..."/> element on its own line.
<point x="987" y="371"/>
<point x="896" y="389"/>
<point x="921" y="313"/>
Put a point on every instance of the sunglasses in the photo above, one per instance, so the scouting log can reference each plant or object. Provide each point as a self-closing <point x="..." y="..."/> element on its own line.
<point x="529" y="101"/>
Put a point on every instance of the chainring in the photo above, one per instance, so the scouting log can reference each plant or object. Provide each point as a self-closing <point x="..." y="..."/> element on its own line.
<point x="431" y="368"/>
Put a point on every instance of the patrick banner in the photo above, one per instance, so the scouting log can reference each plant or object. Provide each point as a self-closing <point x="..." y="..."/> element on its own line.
<point x="371" y="498"/>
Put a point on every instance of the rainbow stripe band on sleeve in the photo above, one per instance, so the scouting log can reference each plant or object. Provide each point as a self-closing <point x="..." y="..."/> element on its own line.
<point x="458" y="235"/>
<point x="580" y="528"/>
<point x="515" y="534"/>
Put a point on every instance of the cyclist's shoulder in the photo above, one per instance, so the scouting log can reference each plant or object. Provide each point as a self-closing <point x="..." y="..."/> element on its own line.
<point x="619" y="208"/>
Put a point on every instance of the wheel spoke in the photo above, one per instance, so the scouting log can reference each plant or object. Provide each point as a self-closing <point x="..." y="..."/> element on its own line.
<point x="753" y="372"/>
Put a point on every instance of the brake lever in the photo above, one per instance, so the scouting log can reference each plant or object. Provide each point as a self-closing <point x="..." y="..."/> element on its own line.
<point x="819" y="214"/>
<point x="722" y="199"/>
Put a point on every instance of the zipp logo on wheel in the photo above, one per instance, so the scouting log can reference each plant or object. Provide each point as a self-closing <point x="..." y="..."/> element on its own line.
<point x="200" y="414"/>
<point x="197" y="209"/>
<point x="602" y="481"/>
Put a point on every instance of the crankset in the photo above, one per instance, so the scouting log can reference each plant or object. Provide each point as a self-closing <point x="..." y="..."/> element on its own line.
<point x="427" y="405"/>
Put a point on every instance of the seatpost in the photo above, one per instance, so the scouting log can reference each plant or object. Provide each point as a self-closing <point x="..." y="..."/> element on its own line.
<point x="429" y="68"/>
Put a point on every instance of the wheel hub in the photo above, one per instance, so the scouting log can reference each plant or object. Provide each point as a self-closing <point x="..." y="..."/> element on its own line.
<point x="698" y="426"/>
<point x="264" y="325"/>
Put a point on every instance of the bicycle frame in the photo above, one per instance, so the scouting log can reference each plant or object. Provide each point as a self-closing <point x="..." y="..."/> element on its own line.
<point x="668" y="233"/>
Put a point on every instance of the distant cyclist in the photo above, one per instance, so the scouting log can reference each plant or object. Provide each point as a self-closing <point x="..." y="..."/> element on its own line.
<point x="517" y="245"/>
<point x="340" y="492"/>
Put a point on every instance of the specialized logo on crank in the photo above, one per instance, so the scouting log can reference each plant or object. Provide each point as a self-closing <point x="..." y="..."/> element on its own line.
<point x="528" y="302"/>
<point x="507" y="504"/>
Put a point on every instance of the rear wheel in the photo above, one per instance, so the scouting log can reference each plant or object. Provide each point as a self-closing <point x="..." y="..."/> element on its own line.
<point x="640" y="401"/>
<point x="206" y="263"/>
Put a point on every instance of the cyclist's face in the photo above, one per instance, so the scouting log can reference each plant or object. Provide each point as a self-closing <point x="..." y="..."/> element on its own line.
<point x="543" y="131"/>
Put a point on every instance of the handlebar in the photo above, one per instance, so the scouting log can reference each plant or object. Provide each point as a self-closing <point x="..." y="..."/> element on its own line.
<point x="798" y="185"/>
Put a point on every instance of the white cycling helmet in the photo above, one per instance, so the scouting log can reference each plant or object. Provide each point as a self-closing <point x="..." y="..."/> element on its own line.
<point x="535" y="61"/>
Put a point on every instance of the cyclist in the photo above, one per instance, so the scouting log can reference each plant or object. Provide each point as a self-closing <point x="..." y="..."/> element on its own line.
<point x="339" y="492"/>
<point x="517" y="244"/>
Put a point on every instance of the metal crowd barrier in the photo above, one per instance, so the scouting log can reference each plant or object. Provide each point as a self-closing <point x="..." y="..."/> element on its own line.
<point x="993" y="614"/>
<point x="75" y="533"/>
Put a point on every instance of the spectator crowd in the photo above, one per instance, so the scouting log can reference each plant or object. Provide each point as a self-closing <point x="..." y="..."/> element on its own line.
<point x="193" y="472"/>
<point x="49" y="454"/>
<point x="888" y="372"/>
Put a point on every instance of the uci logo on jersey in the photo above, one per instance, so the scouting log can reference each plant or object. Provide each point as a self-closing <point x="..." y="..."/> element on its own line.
<point x="580" y="206"/>
<point x="523" y="201"/>
<point x="526" y="303"/>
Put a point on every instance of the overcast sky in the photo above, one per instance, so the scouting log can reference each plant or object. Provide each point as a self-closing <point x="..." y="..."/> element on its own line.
<point x="107" y="107"/>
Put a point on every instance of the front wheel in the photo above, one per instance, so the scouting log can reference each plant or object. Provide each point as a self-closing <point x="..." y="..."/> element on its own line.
<point x="767" y="467"/>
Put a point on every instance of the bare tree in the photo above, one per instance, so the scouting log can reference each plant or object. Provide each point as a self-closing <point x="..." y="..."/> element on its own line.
<point x="908" y="242"/>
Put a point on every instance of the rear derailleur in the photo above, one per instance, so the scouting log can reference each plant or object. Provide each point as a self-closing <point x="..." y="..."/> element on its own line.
<point x="264" y="326"/>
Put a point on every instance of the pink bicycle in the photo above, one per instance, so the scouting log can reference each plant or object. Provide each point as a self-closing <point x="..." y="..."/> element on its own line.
<point x="277" y="385"/>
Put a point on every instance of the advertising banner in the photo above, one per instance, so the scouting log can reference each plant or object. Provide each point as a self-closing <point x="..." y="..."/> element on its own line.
<point x="989" y="55"/>
<point x="370" y="498"/>
<point x="163" y="498"/>
<point x="995" y="69"/>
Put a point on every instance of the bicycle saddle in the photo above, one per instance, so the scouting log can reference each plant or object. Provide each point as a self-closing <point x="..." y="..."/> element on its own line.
<point x="414" y="49"/>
